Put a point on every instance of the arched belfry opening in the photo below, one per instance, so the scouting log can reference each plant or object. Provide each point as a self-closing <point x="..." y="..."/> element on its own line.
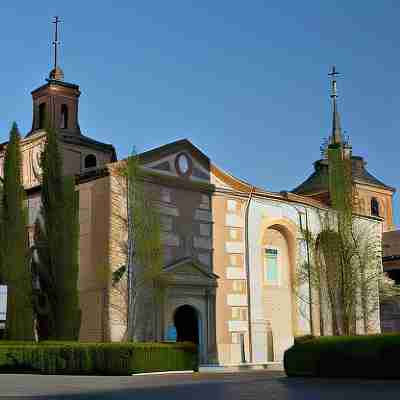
<point x="374" y="207"/>
<point x="42" y="115"/>
<point x="90" y="161"/>
<point x="64" y="116"/>
<point x="186" y="322"/>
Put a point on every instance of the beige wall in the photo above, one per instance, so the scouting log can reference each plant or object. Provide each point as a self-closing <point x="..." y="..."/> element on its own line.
<point x="74" y="158"/>
<point x="94" y="216"/>
<point x="363" y="205"/>
<point x="391" y="243"/>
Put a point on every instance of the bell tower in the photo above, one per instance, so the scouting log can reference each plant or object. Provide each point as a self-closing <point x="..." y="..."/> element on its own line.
<point x="57" y="101"/>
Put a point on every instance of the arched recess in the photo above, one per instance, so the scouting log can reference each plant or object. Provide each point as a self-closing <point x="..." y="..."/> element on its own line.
<point x="278" y="240"/>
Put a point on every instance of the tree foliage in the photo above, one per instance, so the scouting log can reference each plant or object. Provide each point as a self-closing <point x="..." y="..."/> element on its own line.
<point x="57" y="243"/>
<point x="345" y="267"/>
<point x="142" y="284"/>
<point x="15" y="270"/>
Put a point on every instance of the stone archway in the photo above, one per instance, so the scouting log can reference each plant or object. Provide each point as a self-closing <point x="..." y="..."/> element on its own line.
<point x="186" y="322"/>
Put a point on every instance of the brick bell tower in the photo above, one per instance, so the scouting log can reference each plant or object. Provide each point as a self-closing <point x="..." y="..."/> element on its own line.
<point x="56" y="101"/>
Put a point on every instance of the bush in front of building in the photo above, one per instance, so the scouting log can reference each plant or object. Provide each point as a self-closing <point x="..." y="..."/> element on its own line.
<point x="77" y="358"/>
<point x="368" y="356"/>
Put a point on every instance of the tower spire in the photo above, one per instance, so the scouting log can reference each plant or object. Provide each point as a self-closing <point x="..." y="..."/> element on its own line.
<point x="56" y="73"/>
<point x="336" y="136"/>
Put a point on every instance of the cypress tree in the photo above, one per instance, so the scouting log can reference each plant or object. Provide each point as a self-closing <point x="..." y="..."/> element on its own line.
<point x="15" y="263"/>
<point x="57" y="240"/>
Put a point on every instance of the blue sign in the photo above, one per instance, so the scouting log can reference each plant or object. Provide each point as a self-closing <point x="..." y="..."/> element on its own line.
<point x="171" y="334"/>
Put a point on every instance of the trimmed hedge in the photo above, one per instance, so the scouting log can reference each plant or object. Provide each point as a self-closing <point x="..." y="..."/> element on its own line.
<point x="369" y="356"/>
<point x="95" y="358"/>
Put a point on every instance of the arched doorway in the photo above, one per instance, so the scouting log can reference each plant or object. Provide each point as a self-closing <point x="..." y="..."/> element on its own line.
<point x="186" y="322"/>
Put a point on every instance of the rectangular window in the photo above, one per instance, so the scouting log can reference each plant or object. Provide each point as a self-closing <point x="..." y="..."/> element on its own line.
<point x="271" y="266"/>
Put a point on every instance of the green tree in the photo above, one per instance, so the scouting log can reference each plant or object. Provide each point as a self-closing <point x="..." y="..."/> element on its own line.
<point x="57" y="244"/>
<point x="14" y="250"/>
<point x="345" y="269"/>
<point x="139" y="282"/>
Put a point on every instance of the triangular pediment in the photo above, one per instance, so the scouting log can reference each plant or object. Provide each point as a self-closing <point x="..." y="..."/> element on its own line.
<point x="190" y="271"/>
<point x="178" y="159"/>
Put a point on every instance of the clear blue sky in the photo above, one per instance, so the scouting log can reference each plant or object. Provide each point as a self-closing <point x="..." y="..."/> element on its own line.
<point x="245" y="81"/>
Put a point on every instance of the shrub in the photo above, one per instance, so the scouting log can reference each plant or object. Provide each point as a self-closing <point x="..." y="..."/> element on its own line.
<point x="369" y="356"/>
<point x="95" y="358"/>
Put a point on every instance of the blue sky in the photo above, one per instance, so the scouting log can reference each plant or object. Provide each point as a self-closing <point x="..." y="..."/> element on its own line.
<point x="246" y="82"/>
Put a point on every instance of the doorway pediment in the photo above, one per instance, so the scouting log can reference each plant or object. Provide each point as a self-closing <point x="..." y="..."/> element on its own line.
<point x="191" y="272"/>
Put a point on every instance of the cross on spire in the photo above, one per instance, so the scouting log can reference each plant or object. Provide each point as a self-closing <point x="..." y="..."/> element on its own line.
<point x="56" y="42"/>
<point x="333" y="74"/>
<point x="56" y="73"/>
<point x="336" y="127"/>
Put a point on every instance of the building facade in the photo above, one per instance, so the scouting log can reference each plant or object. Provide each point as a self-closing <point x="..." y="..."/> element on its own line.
<point x="231" y="250"/>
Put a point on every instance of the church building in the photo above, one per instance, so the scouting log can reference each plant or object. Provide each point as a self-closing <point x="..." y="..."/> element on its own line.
<point x="231" y="249"/>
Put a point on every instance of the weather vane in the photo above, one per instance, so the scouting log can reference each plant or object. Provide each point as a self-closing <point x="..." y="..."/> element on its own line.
<point x="56" y="42"/>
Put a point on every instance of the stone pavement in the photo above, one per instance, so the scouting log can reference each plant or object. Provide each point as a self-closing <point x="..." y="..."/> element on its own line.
<point x="243" y="386"/>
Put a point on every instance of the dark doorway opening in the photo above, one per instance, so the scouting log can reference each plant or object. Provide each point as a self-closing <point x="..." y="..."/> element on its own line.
<point x="187" y="324"/>
<point x="395" y="275"/>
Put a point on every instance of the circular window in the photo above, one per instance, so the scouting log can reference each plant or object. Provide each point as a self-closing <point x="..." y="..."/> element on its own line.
<point x="183" y="164"/>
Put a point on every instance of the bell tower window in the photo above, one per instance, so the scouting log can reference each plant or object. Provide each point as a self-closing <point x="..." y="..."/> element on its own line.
<point x="374" y="207"/>
<point x="90" y="161"/>
<point x="42" y="115"/>
<point x="64" y="116"/>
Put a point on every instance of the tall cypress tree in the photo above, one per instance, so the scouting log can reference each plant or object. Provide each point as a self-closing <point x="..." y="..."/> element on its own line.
<point x="15" y="265"/>
<point x="57" y="240"/>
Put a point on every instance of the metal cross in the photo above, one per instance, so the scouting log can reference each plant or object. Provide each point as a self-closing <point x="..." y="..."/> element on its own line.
<point x="333" y="76"/>
<point x="334" y="73"/>
<point x="56" y="42"/>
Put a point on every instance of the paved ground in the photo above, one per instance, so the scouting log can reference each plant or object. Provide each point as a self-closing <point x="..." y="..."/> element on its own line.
<point x="243" y="386"/>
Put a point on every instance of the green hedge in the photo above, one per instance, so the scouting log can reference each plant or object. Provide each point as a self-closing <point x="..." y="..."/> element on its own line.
<point x="370" y="356"/>
<point x="95" y="358"/>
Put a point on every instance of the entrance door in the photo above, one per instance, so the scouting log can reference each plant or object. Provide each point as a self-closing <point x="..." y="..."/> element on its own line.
<point x="186" y="323"/>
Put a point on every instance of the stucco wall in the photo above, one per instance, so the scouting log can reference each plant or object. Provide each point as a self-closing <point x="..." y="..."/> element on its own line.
<point x="94" y="209"/>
